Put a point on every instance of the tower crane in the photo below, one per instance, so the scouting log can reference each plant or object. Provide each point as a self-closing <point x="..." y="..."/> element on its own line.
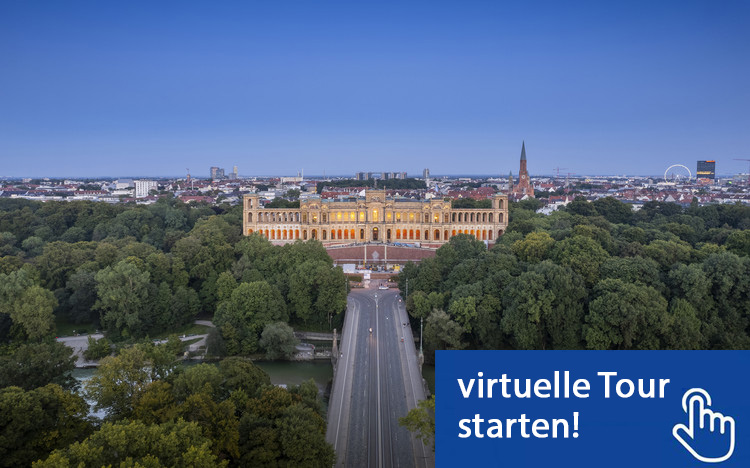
<point x="557" y="171"/>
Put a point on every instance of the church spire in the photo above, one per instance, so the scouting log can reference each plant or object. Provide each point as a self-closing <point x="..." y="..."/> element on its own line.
<point x="523" y="151"/>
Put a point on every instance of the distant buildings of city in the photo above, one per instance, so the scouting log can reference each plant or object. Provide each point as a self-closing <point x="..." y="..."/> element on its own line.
<point x="379" y="175"/>
<point x="551" y="191"/>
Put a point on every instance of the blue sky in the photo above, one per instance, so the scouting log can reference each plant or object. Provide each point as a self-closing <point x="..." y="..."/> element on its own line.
<point x="152" y="88"/>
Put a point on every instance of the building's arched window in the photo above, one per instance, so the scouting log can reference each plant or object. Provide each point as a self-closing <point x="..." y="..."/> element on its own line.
<point x="362" y="233"/>
<point x="437" y="234"/>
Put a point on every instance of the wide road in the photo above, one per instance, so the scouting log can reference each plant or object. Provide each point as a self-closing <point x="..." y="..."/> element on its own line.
<point x="377" y="382"/>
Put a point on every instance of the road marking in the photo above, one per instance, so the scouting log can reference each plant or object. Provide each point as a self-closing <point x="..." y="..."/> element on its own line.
<point x="346" y="368"/>
<point x="377" y="353"/>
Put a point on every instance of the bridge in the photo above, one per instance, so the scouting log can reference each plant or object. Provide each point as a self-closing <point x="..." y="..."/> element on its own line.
<point x="377" y="381"/>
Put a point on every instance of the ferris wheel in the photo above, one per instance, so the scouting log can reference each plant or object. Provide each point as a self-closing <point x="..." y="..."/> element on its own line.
<point x="677" y="173"/>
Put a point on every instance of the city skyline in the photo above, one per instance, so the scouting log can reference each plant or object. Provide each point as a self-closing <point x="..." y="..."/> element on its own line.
<point x="96" y="90"/>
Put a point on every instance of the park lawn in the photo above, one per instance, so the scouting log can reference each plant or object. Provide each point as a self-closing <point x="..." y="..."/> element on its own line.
<point x="187" y="330"/>
<point x="311" y="327"/>
<point x="65" y="328"/>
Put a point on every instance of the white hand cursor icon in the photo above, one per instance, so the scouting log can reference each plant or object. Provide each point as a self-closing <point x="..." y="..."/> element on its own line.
<point x="703" y="424"/>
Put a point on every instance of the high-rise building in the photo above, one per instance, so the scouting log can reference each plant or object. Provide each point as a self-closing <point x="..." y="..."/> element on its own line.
<point x="234" y="173"/>
<point x="524" y="187"/>
<point x="214" y="172"/>
<point x="426" y="174"/>
<point x="143" y="187"/>
<point x="706" y="170"/>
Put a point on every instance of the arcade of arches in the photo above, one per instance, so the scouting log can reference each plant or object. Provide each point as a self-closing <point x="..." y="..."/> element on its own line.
<point x="375" y="218"/>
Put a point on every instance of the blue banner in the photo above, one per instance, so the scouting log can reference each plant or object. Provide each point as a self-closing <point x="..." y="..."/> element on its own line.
<point x="592" y="408"/>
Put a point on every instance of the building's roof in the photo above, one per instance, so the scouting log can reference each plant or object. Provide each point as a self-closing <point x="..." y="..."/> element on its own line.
<point x="523" y="151"/>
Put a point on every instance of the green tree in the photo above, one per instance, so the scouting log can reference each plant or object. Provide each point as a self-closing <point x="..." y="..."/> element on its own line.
<point x="133" y="443"/>
<point x="534" y="247"/>
<point x="156" y="404"/>
<point x="613" y="210"/>
<point x="440" y="332"/>
<point x="464" y="312"/>
<point x="581" y="206"/>
<point x="625" y="316"/>
<point x="97" y="349"/>
<point x="34" y="365"/>
<point x="81" y="287"/>
<point x="419" y="305"/>
<point x="28" y="305"/>
<point x="35" y="422"/>
<point x="242" y="374"/>
<point x="225" y="285"/>
<point x="667" y="253"/>
<point x="421" y="421"/>
<point x="32" y="312"/>
<point x="218" y="421"/>
<point x="582" y="254"/>
<point x="738" y="242"/>
<point x="124" y="294"/>
<point x="685" y="330"/>
<point x="278" y="340"/>
<point x="302" y="438"/>
<point x="119" y="381"/>
<point x="543" y="308"/>
<point x="202" y="378"/>
<point x="250" y="308"/>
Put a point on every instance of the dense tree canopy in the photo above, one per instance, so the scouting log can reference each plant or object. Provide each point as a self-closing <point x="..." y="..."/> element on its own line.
<point x="591" y="276"/>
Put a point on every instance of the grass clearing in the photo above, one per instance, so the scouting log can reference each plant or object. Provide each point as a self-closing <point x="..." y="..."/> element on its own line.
<point x="187" y="330"/>
<point x="66" y="328"/>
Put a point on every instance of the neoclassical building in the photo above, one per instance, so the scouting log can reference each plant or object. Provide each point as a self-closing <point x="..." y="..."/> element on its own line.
<point x="374" y="218"/>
